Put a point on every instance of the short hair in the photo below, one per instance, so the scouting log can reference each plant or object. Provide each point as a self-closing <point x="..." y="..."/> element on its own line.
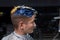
<point x="19" y="13"/>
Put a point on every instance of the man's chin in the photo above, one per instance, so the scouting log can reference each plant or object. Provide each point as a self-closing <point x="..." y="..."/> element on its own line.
<point x="31" y="32"/>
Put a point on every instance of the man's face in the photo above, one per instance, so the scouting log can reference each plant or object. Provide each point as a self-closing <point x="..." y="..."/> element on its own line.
<point x="30" y="26"/>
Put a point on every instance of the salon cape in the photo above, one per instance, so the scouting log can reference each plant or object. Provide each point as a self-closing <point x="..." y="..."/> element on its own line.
<point x="14" y="36"/>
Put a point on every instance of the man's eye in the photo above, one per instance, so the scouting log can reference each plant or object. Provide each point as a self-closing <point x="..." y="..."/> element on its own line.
<point x="33" y="21"/>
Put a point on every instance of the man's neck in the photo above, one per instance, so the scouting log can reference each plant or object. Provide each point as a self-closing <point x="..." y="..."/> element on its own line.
<point x="19" y="32"/>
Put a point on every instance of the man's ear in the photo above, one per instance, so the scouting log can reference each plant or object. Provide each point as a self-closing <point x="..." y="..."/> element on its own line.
<point x="20" y="24"/>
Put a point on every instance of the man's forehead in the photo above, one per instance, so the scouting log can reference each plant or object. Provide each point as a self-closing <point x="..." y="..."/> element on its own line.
<point x="32" y="18"/>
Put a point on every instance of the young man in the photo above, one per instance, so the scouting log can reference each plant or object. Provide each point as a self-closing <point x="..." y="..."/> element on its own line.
<point x="23" y="22"/>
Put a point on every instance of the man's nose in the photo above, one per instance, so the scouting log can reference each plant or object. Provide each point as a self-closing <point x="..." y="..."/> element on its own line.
<point x="35" y="25"/>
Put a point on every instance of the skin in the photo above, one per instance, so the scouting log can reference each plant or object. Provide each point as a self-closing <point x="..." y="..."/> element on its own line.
<point x="23" y="29"/>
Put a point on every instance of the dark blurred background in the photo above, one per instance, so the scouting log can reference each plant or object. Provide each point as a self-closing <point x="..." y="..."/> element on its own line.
<point x="47" y="27"/>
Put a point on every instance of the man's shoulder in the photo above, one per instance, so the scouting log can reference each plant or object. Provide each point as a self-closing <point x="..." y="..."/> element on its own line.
<point x="8" y="36"/>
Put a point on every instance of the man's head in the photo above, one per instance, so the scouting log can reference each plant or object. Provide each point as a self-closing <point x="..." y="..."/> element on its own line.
<point x="23" y="18"/>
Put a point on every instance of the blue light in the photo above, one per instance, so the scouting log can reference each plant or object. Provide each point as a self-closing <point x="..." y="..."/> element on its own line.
<point x="24" y="12"/>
